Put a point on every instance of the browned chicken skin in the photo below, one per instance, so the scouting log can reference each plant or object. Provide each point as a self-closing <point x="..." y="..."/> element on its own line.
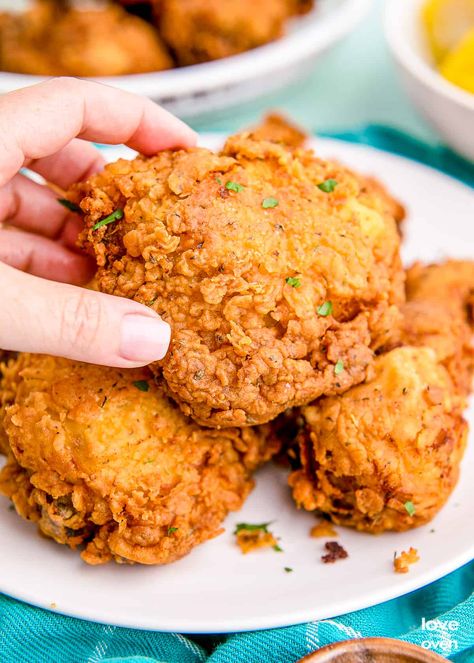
<point x="385" y="455"/>
<point x="278" y="272"/>
<point x="106" y="41"/>
<point x="101" y="457"/>
<point x="202" y="30"/>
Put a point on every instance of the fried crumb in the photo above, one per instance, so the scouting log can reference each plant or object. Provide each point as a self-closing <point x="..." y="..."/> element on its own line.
<point x="401" y="562"/>
<point x="53" y="605"/>
<point x="249" y="541"/>
<point x="323" y="529"/>
<point x="334" y="552"/>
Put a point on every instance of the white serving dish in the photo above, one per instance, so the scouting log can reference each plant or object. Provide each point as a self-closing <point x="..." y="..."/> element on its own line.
<point x="448" y="108"/>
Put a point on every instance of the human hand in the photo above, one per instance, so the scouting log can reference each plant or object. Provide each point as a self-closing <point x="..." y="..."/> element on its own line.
<point x="46" y="128"/>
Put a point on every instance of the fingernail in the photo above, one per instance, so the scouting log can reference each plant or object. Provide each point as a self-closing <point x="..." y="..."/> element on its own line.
<point x="144" y="338"/>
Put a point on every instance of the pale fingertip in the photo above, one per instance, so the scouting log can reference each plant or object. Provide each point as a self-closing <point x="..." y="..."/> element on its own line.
<point x="143" y="339"/>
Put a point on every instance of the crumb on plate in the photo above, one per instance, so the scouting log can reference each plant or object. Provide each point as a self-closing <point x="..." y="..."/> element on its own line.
<point x="252" y="537"/>
<point x="323" y="529"/>
<point x="401" y="562"/>
<point x="334" y="552"/>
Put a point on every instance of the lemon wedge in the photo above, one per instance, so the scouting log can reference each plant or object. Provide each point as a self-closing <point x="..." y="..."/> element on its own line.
<point x="458" y="65"/>
<point x="446" y="22"/>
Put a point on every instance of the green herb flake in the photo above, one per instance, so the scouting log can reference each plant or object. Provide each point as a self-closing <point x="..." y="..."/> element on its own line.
<point x="410" y="508"/>
<point x="72" y="207"/>
<point x="248" y="527"/>
<point x="115" y="216"/>
<point x="234" y="186"/>
<point x="294" y="281"/>
<point x="339" y="367"/>
<point x="325" y="309"/>
<point x="327" y="186"/>
<point x="141" y="385"/>
<point x="172" y="530"/>
<point x="277" y="548"/>
<point x="269" y="203"/>
<point x="218" y="180"/>
<point x="288" y="569"/>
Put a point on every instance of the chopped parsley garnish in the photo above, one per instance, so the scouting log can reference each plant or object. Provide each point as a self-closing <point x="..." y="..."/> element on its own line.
<point x="115" y="216"/>
<point x="218" y="180"/>
<point x="247" y="527"/>
<point x="152" y="301"/>
<point x="141" y="385"/>
<point x="325" y="309"/>
<point x="234" y="186"/>
<point x="410" y="508"/>
<point x="327" y="186"/>
<point x="72" y="207"/>
<point x="294" y="281"/>
<point x="172" y="530"/>
<point x="268" y="203"/>
<point x="288" y="569"/>
<point x="277" y="548"/>
<point x="339" y="367"/>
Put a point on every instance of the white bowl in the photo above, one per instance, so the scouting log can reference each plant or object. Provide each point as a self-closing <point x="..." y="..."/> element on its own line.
<point x="191" y="91"/>
<point x="448" y="108"/>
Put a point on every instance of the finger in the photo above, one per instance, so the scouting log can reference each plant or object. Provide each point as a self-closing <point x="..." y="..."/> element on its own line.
<point x="43" y="257"/>
<point x="38" y="121"/>
<point x="63" y="320"/>
<point x="35" y="208"/>
<point x="73" y="163"/>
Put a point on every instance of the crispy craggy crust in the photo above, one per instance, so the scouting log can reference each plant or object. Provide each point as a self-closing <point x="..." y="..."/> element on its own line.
<point x="213" y="29"/>
<point x="95" y="460"/>
<point x="439" y="313"/>
<point x="279" y="129"/>
<point x="399" y="438"/>
<point x="214" y="262"/>
<point x="48" y="41"/>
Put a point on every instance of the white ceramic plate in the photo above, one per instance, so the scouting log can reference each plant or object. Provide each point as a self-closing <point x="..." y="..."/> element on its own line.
<point x="216" y="588"/>
<point x="190" y="91"/>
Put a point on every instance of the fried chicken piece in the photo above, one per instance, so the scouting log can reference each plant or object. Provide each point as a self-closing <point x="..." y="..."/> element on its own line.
<point x="439" y="314"/>
<point x="278" y="272"/>
<point x="101" y="457"/>
<point x="203" y="30"/>
<point x="106" y="41"/>
<point x="278" y="129"/>
<point x="386" y="454"/>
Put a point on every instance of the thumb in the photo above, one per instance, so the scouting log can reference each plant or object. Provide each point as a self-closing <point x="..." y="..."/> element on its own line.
<point x="54" y="318"/>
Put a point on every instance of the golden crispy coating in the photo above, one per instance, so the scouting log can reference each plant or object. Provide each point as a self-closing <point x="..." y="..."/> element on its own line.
<point x="278" y="129"/>
<point x="439" y="314"/>
<point x="92" y="42"/>
<point x="238" y="251"/>
<point x="101" y="457"/>
<point x="386" y="454"/>
<point x="202" y="30"/>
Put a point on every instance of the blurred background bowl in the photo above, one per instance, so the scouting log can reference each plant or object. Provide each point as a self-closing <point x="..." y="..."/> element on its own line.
<point x="449" y="108"/>
<point x="212" y="86"/>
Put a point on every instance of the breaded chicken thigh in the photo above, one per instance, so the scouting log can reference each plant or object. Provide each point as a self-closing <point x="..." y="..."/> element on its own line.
<point x="202" y="30"/>
<point x="386" y="454"/>
<point x="104" y="41"/>
<point x="278" y="272"/>
<point x="102" y="458"/>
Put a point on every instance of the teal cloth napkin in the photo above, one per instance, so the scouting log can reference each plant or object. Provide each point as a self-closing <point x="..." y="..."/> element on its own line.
<point x="439" y="617"/>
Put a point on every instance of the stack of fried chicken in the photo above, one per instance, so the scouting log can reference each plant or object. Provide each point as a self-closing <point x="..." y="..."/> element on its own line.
<point x="295" y="330"/>
<point x="118" y="37"/>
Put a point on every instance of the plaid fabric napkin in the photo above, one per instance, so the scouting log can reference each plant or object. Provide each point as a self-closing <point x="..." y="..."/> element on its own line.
<point x="439" y="617"/>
